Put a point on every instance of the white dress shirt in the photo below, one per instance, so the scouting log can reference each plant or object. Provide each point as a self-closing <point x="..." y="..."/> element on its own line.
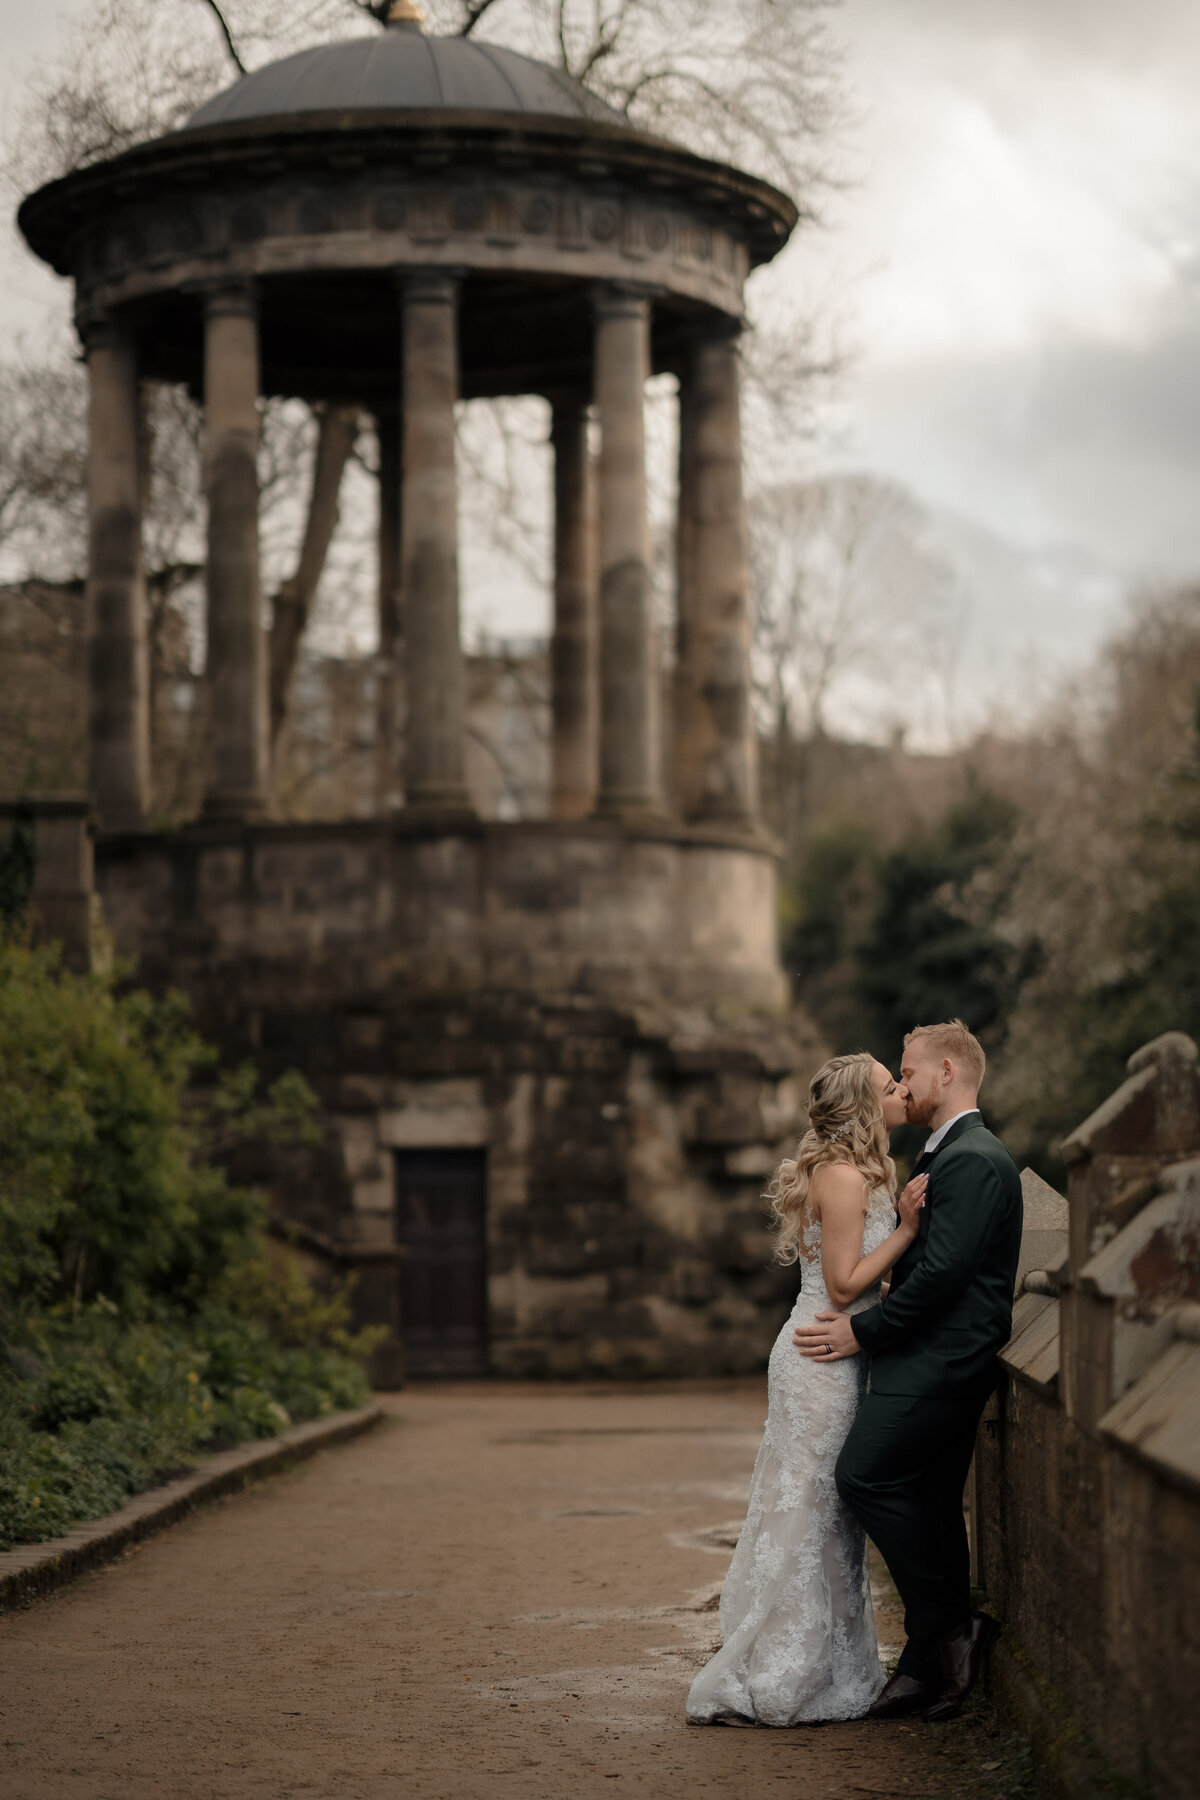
<point x="935" y="1137"/>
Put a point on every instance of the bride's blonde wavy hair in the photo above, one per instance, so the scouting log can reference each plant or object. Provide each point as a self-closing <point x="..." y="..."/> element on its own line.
<point x="845" y="1125"/>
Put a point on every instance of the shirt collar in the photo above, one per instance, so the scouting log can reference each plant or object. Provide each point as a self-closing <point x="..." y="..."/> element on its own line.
<point x="935" y="1137"/>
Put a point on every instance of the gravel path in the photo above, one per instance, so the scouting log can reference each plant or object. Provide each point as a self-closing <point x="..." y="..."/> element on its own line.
<point x="501" y="1592"/>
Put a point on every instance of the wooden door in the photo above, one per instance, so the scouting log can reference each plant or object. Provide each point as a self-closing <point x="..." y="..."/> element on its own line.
<point x="441" y="1206"/>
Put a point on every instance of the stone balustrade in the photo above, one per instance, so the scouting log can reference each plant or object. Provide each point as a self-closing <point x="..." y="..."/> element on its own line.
<point x="1086" y="1489"/>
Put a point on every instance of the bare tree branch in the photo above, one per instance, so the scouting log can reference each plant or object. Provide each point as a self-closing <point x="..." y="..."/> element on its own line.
<point x="335" y="441"/>
<point x="845" y="590"/>
<point x="502" y="450"/>
<point x="223" y="23"/>
<point x="475" y="10"/>
<point x="749" y="81"/>
<point x="606" y="36"/>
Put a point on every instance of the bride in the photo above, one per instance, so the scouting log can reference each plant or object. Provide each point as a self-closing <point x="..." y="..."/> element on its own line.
<point x="796" y="1621"/>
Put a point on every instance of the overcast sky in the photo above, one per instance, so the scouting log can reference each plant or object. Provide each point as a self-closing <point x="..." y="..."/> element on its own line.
<point x="1018" y="262"/>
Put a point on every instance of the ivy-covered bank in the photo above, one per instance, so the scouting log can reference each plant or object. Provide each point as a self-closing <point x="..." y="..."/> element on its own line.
<point x="143" y="1316"/>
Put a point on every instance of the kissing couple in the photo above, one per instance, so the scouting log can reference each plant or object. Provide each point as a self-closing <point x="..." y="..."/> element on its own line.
<point x="874" y="1394"/>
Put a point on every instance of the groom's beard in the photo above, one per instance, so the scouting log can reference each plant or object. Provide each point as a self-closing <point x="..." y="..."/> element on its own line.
<point x="920" y="1112"/>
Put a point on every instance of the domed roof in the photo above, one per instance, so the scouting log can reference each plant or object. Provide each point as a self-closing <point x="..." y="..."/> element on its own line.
<point x="403" y="70"/>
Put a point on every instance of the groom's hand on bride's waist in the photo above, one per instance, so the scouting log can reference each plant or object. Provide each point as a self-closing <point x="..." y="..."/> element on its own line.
<point x="829" y="1340"/>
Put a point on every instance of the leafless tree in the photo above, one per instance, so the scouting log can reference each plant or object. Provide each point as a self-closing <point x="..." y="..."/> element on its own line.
<point x="756" y="82"/>
<point x="504" y="458"/>
<point x="43" y="519"/>
<point x="227" y="36"/>
<point x="842" y="586"/>
<point x="850" y="602"/>
<point x="1108" y="785"/>
<point x="337" y="429"/>
<point x="43" y="450"/>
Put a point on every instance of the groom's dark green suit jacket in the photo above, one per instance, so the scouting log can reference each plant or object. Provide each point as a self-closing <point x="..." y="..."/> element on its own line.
<point x="949" y="1310"/>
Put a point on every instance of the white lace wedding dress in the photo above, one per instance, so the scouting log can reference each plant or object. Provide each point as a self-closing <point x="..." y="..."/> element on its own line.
<point x="797" y="1625"/>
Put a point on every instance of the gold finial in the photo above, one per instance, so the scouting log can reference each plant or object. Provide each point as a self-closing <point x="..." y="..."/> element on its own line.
<point x="406" y="12"/>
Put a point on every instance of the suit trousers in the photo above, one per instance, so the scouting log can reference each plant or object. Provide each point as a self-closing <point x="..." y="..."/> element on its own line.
<point x="902" y="1472"/>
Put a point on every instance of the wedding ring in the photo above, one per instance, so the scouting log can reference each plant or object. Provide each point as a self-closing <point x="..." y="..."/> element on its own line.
<point x="829" y="1348"/>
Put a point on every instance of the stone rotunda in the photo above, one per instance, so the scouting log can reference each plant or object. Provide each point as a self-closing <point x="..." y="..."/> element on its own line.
<point x="552" y="1055"/>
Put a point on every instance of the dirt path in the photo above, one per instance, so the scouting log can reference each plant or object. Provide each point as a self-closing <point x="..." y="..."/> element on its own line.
<point x="502" y="1592"/>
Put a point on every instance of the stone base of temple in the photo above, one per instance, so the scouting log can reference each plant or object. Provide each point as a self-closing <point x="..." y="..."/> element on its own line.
<point x="553" y="1068"/>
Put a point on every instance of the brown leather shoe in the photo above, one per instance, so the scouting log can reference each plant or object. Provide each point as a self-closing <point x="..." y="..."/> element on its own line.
<point x="961" y="1656"/>
<point x="903" y="1694"/>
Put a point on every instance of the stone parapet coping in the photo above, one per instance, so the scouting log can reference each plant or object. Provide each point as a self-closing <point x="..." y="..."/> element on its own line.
<point x="35" y="805"/>
<point x="34" y="1570"/>
<point x="1032" y="1352"/>
<point x="1157" y="1420"/>
<point x="428" y="822"/>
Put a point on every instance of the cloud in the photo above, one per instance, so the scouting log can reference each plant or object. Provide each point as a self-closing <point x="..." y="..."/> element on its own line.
<point x="1022" y="254"/>
<point x="1017" y="622"/>
<point x="1065" y="35"/>
<point x="1079" y="440"/>
<point x="1006" y="190"/>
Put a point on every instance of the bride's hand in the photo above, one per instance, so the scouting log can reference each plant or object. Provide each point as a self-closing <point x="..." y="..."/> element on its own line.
<point x="910" y="1203"/>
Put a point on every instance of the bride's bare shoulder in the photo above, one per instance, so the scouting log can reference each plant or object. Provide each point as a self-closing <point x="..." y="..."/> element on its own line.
<point x="837" y="1185"/>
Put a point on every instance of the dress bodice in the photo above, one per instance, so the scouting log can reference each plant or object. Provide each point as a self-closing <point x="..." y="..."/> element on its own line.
<point x="878" y="1226"/>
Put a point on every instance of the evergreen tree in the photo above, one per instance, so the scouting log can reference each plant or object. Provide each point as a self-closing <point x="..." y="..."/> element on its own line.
<point x="933" y="949"/>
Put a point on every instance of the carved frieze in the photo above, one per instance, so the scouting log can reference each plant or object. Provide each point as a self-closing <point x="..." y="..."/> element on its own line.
<point x="429" y="216"/>
<point x="658" y="232"/>
<point x="356" y="219"/>
<point x="247" y="222"/>
<point x="390" y="211"/>
<point x="604" y="221"/>
<point x="316" y="214"/>
<point x="468" y="210"/>
<point x="187" y="233"/>
<point x="571" y="229"/>
<point x="536" y="213"/>
<point x="132" y="246"/>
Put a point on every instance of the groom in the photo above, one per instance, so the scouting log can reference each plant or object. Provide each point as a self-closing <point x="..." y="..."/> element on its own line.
<point x="933" y="1345"/>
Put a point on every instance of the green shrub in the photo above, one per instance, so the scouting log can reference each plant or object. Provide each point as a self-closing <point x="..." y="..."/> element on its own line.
<point x="107" y="1183"/>
<point x="75" y="1394"/>
<point x="93" y="1409"/>
<point x="142" y="1318"/>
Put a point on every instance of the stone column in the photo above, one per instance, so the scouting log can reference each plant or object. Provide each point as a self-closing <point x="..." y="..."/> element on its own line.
<point x="434" y="762"/>
<point x="573" y="648"/>
<point x="236" y="667"/>
<point x="387" y="735"/>
<point x="685" y="742"/>
<point x="715" y="751"/>
<point x="118" y="664"/>
<point x="628" y="783"/>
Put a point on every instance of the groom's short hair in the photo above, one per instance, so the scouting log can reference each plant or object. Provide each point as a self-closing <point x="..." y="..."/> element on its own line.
<point x="954" y="1041"/>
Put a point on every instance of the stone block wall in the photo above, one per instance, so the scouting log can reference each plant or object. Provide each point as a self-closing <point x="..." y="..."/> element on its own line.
<point x="1087" y="1470"/>
<point x="426" y="905"/>
<point x="1091" y="1558"/>
<point x="596" y="1010"/>
<point x="626" y="1160"/>
<point x="627" y="1152"/>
